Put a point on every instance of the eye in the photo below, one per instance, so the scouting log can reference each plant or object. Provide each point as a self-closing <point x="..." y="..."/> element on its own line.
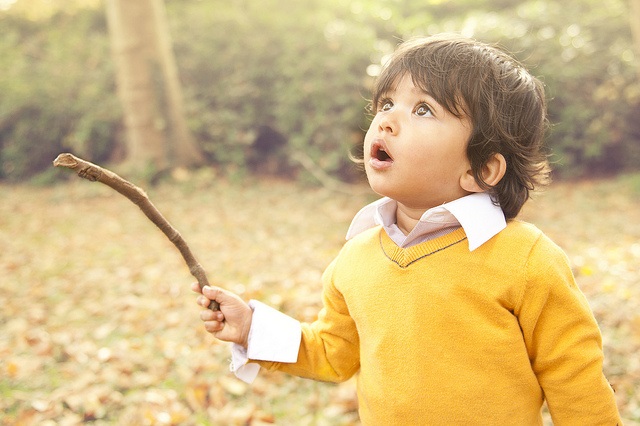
<point x="385" y="105"/>
<point x="423" y="110"/>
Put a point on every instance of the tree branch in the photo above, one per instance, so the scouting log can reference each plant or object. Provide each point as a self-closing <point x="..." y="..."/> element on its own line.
<point x="93" y="173"/>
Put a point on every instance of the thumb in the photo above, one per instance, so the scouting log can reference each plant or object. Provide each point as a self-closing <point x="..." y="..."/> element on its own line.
<point x="218" y="294"/>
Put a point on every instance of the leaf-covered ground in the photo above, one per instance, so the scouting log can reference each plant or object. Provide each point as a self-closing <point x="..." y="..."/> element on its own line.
<point x="98" y="323"/>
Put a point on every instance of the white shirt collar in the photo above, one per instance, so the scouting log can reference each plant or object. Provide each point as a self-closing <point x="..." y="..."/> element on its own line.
<point x="476" y="213"/>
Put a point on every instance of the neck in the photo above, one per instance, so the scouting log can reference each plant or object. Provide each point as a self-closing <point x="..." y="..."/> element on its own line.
<point x="407" y="218"/>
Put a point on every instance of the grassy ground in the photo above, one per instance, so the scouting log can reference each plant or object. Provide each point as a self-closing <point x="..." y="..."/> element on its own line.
<point x="98" y="323"/>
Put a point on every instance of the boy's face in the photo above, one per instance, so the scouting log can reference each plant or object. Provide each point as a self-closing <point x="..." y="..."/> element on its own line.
<point x="415" y="150"/>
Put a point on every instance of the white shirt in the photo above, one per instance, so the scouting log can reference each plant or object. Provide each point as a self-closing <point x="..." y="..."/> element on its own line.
<point x="275" y="336"/>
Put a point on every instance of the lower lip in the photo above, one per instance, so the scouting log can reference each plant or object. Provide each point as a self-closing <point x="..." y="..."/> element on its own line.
<point x="379" y="165"/>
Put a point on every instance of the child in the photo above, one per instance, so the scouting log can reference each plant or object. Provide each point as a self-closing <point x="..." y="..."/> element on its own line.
<point x="450" y="309"/>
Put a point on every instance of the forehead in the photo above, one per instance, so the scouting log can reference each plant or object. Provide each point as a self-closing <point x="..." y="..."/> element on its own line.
<point x="405" y="81"/>
<point x="425" y="73"/>
<point x="406" y="86"/>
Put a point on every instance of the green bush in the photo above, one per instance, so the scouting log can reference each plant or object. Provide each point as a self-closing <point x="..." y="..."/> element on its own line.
<point x="287" y="68"/>
<point x="57" y="87"/>
<point x="265" y="81"/>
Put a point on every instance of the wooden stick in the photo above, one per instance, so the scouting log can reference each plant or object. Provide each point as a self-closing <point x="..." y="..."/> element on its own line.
<point x="93" y="173"/>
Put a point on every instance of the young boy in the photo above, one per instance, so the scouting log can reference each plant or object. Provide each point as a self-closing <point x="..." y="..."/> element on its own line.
<point x="450" y="309"/>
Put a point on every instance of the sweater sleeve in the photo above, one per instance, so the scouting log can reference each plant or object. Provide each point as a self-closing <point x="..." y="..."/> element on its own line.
<point x="329" y="350"/>
<point x="563" y="341"/>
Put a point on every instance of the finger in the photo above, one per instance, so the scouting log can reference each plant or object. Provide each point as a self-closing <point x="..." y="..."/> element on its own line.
<point x="195" y="287"/>
<point x="213" y="326"/>
<point x="211" y="292"/>
<point x="209" y="315"/>
<point x="220" y="295"/>
<point x="203" y="301"/>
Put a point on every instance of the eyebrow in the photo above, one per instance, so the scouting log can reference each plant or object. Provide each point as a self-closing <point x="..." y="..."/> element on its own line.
<point x="415" y="91"/>
<point x="419" y="92"/>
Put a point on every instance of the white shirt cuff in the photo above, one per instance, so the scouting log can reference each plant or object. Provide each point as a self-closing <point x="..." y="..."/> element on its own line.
<point x="273" y="336"/>
<point x="243" y="371"/>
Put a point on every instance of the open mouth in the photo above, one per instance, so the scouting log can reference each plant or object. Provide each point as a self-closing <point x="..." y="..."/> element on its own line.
<point x="382" y="155"/>
<point x="379" y="152"/>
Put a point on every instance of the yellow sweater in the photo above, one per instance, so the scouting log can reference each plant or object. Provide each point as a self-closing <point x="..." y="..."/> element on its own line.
<point x="444" y="336"/>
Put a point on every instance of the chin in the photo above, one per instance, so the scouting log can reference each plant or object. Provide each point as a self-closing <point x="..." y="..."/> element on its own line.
<point x="378" y="186"/>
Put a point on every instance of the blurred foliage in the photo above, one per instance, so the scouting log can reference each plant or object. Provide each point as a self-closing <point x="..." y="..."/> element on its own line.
<point x="57" y="88"/>
<point x="264" y="80"/>
<point x="267" y="78"/>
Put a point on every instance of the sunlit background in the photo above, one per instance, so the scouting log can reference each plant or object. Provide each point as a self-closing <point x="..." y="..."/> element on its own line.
<point x="239" y="117"/>
<point x="252" y="85"/>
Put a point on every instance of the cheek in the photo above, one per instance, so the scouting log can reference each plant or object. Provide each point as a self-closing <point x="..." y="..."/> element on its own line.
<point x="439" y="161"/>
<point x="366" y="143"/>
<point x="372" y="126"/>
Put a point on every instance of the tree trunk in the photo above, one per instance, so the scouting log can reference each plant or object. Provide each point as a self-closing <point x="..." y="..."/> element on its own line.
<point x="182" y="147"/>
<point x="148" y="86"/>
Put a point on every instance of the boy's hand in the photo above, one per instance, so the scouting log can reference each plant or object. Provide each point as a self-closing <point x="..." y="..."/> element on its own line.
<point x="232" y="322"/>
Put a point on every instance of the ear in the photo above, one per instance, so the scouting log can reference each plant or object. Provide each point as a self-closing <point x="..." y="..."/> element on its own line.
<point x="492" y="172"/>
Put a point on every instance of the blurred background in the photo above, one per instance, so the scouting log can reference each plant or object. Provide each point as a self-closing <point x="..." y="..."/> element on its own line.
<point x="250" y="86"/>
<point x="237" y="117"/>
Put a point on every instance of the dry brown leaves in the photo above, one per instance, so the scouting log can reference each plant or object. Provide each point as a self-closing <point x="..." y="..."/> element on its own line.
<point x="98" y="323"/>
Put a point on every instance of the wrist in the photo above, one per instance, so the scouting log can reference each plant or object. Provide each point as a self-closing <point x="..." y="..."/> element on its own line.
<point x="246" y="329"/>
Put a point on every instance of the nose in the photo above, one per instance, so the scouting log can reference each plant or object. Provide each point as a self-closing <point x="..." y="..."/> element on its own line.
<point x="388" y="123"/>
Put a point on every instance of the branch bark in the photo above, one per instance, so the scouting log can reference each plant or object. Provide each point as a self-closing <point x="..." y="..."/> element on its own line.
<point x="94" y="173"/>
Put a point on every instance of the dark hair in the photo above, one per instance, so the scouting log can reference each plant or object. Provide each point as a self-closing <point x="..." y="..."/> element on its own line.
<point x="505" y="104"/>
